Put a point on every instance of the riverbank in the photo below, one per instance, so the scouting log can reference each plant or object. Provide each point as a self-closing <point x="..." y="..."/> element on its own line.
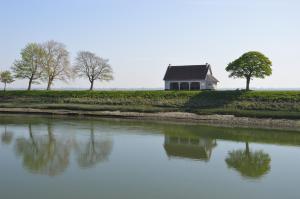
<point x="258" y="104"/>
<point x="275" y="109"/>
<point x="216" y="120"/>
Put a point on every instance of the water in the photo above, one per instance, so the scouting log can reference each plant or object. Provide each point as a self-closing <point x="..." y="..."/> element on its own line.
<point x="59" y="157"/>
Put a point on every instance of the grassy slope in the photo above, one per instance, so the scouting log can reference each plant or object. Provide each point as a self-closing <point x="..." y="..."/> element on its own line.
<point x="275" y="104"/>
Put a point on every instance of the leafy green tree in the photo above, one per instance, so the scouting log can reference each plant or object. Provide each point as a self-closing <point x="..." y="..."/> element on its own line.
<point x="6" y="78"/>
<point x="30" y="65"/>
<point x="250" y="65"/>
<point x="251" y="164"/>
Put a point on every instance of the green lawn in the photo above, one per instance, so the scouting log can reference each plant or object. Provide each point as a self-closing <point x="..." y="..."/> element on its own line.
<point x="274" y="104"/>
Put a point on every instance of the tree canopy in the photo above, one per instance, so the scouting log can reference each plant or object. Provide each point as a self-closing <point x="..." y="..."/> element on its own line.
<point x="6" y="78"/>
<point x="49" y="61"/>
<point x="30" y="65"/>
<point x="91" y="66"/>
<point x="95" y="150"/>
<point x="56" y="64"/>
<point x="250" y="164"/>
<point x="43" y="154"/>
<point x="250" y="65"/>
<point x="6" y="136"/>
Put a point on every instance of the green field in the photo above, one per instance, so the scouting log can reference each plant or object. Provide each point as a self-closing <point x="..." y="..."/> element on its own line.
<point x="262" y="104"/>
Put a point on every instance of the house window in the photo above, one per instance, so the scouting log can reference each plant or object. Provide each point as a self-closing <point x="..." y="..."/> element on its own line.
<point x="195" y="86"/>
<point x="174" y="86"/>
<point x="184" y="86"/>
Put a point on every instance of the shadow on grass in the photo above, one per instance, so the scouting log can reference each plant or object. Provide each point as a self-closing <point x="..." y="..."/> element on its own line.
<point x="212" y="99"/>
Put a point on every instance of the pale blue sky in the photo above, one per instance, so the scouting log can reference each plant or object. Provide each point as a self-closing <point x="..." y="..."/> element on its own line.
<point x="142" y="37"/>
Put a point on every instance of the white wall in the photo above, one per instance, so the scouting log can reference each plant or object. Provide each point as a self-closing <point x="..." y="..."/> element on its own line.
<point x="203" y="84"/>
<point x="167" y="85"/>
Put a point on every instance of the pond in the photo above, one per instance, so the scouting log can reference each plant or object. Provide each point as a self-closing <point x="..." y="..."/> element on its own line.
<point x="64" y="157"/>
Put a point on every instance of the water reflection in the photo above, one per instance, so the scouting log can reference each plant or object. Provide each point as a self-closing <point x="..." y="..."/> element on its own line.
<point x="6" y="136"/>
<point x="48" y="144"/>
<point x="44" y="154"/>
<point x="250" y="164"/>
<point x="49" y="153"/>
<point x="190" y="147"/>
<point x="95" y="150"/>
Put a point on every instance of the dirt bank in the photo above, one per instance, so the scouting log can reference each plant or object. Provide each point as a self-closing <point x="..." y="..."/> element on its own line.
<point x="220" y="120"/>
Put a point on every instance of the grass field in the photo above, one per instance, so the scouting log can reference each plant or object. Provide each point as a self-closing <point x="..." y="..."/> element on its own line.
<point x="262" y="104"/>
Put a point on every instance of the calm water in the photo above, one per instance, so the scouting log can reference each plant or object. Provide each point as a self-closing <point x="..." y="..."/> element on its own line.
<point x="43" y="157"/>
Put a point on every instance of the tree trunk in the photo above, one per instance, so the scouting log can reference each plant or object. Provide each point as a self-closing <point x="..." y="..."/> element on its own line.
<point x="50" y="132"/>
<point x="29" y="84"/>
<point x="248" y="84"/>
<point x="92" y="137"/>
<point x="4" y="87"/>
<point x="49" y="84"/>
<point x="31" y="137"/>
<point x="247" y="149"/>
<point x="92" y="85"/>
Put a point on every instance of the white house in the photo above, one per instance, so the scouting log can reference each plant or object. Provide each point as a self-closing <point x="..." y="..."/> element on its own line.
<point x="190" y="77"/>
<point x="190" y="147"/>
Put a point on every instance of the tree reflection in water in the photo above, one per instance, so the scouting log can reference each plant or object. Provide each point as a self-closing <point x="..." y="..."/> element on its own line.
<point x="250" y="164"/>
<point x="6" y="136"/>
<point x="95" y="150"/>
<point x="44" y="154"/>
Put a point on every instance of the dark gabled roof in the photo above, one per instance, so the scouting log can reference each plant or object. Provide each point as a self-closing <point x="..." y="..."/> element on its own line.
<point x="188" y="72"/>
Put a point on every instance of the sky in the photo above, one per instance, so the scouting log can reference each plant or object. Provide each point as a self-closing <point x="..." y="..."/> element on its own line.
<point x="141" y="37"/>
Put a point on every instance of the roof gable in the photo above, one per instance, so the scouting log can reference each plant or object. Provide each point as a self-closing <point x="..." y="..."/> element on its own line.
<point x="211" y="78"/>
<point x="188" y="72"/>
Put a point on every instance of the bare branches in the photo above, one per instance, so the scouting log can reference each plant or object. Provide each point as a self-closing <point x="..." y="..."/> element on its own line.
<point x="56" y="65"/>
<point x="49" y="61"/>
<point x="91" y="66"/>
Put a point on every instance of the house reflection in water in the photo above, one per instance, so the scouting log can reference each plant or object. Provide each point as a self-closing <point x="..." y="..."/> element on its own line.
<point x="195" y="148"/>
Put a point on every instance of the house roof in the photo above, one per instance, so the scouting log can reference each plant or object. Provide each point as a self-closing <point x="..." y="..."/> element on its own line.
<point x="212" y="78"/>
<point x="187" y="72"/>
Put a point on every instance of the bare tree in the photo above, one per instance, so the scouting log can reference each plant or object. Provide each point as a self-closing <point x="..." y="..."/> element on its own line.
<point x="56" y="65"/>
<point x="97" y="149"/>
<point x="91" y="66"/>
